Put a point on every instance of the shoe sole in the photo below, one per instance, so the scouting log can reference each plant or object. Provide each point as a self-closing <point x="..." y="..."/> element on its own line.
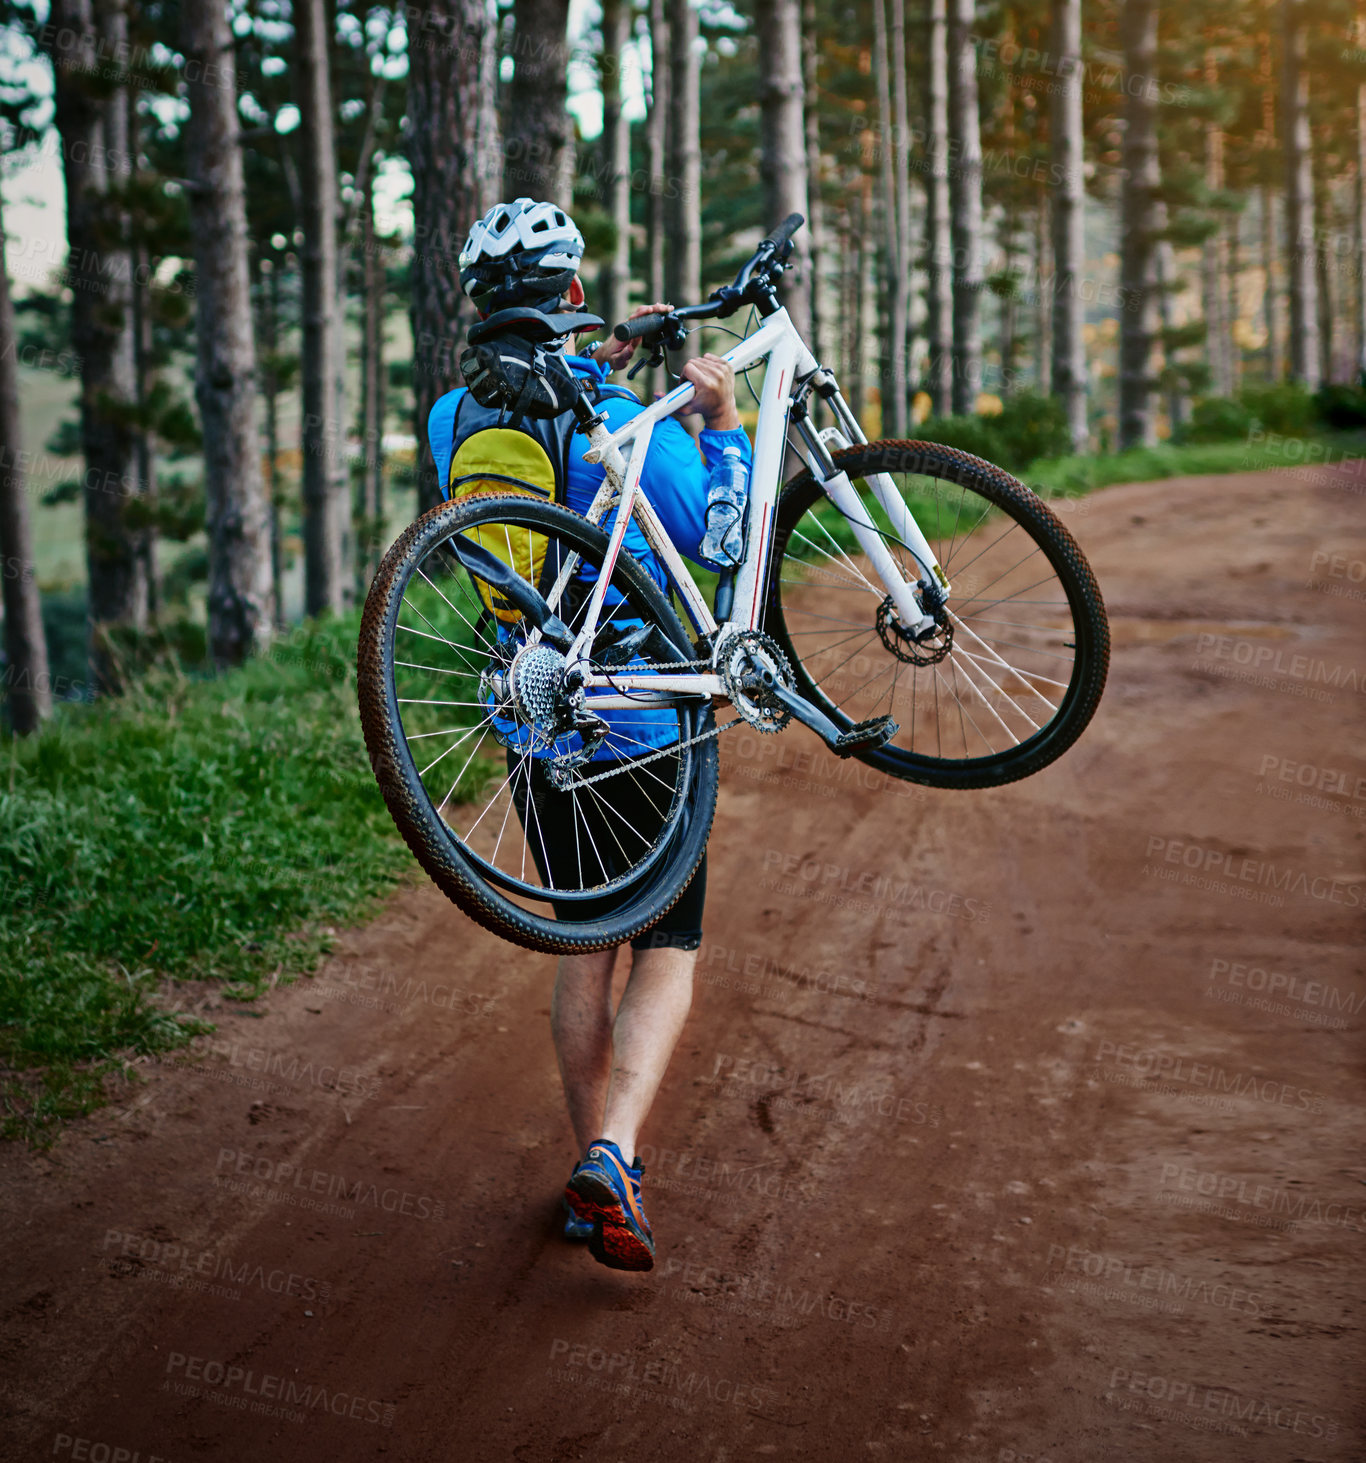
<point x="614" y="1242"/>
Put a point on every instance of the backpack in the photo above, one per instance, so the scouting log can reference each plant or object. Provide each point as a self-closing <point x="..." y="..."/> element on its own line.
<point x="488" y="455"/>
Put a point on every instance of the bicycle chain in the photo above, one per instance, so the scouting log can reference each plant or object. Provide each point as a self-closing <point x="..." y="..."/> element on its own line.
<point x="664" y="665"/>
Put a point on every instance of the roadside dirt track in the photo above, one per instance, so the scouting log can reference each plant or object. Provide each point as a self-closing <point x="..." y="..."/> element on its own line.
<point x="1048" y="1149"/>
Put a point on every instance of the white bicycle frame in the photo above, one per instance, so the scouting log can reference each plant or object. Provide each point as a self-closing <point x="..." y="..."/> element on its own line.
<point x="789" y="361"/>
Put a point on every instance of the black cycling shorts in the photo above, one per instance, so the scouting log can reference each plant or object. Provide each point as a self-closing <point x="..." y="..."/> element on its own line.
<point x="594" y="856"/>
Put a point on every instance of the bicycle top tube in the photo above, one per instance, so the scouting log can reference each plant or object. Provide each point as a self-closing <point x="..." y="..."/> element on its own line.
<point x="742" y="354"/>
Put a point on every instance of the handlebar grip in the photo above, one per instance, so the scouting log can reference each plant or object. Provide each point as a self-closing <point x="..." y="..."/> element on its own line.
<point x="642" y="328"/>
<point x="785" y="230"/>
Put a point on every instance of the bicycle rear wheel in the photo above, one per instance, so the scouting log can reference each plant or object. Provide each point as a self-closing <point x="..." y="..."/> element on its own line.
<point x="1015" y="668"/>
<point x="465" y="721"/>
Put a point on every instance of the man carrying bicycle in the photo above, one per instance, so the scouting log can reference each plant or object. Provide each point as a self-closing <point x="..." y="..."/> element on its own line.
<point x="611" y="1063"/>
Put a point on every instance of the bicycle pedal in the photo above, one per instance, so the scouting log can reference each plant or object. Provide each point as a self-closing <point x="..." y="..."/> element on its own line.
<point x="865" y="736"/>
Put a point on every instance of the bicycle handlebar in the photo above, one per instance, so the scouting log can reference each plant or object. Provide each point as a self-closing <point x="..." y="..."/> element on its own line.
<point x="760" y="271"/>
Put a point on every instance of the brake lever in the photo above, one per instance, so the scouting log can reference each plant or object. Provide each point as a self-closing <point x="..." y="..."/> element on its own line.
<point x="655" y="358"/>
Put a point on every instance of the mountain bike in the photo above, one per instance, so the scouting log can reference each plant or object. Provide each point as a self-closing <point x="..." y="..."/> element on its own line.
<point x="912" y="605"/>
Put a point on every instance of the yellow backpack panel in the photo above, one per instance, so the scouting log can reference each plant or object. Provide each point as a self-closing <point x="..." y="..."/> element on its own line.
<point x="499" y="459"/>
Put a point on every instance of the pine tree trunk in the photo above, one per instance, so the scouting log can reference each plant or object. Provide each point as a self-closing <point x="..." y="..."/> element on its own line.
<point x="815" y="212"/>
<point x="238" y="518"/>
<point x="1166" y="284"/>
<point x="1233" y="302"/>
<point x="782" y="141"/>
<point x="901" y="181"/>
<point x="965" y="200"/>
<point x="28" y="684"/>
<point x="1044" y="294"/>
<point x="1323" y="277"/>
<point x="657" y="209"/>
<point x="1140" y="224"/>
<point x="99" y="274"/>
<point x="370" y="535"/>
<point x="1359" y="225"/>
<point x="1299" y="200"/>
<point x="1268" y="243"/>
<point x="491" y="150"/>
<point x="1069" y="224"/>
<point x="893" y="374"/>
<point x="325" y="498"/>
<point x="537" y="135"/>
<point x="938" y="232"/>
<point x="683" y="276"/>
<point x="443" y="153"/>
<point x="1214" y="258"/>
<point x="144" y="442"/>
<point x="268" y="334"/>
<point x="614" y="279"/>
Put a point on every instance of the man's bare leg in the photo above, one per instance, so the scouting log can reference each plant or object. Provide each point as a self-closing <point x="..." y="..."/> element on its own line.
<point x="581" y="1024"/>
<point x="649" y="1022"/>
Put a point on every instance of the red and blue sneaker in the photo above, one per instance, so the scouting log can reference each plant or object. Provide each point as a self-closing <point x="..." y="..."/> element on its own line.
<point x="606" y="1190"/>
<point x="576" y="1227"/>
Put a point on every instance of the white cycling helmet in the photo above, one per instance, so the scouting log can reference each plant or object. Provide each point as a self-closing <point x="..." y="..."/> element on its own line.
<point x="520" y="253"/>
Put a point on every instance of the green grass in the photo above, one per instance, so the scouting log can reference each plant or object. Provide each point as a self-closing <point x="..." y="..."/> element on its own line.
<point x="1072" y="476"/>
<point x="196" y="829"/>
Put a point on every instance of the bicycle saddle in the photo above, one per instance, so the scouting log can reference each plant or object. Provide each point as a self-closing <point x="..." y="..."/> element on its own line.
<point x="533" y="325"/>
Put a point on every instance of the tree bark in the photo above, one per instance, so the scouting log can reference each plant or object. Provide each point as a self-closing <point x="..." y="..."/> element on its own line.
<point x="1299" y="200"/>
<point x="1069" y="224"/>
<point x="965" y="200"/>
<point x="815" y="211"/>
<point x="225" y="352"/>
<point x="614" y="278"/>
<point x="1044" y="294"/>
<point x="443" y="153"/>
<point x="938" y="234"/>
<point x="370" y="532"/>
<point x="94" y="158"/>
<point x="657" y="160"/>
<point x="1359" y="224"/>
<point x="893" y="375"/>
<point x="683" y="277"/>
<point x="491" y="150"/>
<point x="537" y="134"/>
<point x="1268" y="244"/>
<point x="1140" y="224"/>
<point x="325" y="498"/>
<point x="268" y="334"/>
<point x="901" y="177"/>
<point x="28" y="683"/>
<point x="1166" y="283"/>
<point x="1214" y="258"/>
<point x="782" y="141"/>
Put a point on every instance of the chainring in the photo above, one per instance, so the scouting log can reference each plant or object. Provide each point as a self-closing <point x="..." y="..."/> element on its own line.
<point x="744" y="658"/>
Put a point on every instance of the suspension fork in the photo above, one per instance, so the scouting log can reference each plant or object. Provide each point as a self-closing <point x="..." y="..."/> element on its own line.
<point x="837" y="487"/>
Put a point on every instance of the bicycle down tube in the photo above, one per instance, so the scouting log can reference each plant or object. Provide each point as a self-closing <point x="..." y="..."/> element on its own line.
<point x="788" y="356"/>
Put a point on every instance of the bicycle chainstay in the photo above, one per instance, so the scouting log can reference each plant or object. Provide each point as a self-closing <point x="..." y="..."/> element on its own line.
<point x="663" y="665"/>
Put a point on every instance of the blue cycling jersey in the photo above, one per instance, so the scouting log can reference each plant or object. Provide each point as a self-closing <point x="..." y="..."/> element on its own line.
<point x="675" y="480"/>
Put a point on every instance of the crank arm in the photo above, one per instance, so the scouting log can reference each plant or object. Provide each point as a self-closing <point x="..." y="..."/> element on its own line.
<point x="863" y="736"/>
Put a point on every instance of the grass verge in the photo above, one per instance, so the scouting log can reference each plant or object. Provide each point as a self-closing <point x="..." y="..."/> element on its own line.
<point x="206" y="829"/>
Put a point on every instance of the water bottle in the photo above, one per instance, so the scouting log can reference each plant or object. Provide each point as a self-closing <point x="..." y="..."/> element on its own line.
<point x="723" y="544"/>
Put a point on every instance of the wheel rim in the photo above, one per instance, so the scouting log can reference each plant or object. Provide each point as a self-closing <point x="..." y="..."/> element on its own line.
<point x="472" y="752"/>
<point x="1000" y="670"/>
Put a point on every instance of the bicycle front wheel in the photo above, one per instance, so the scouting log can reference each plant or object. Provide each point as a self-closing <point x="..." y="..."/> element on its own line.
<point x="1015" y="668"/>
<point x="554" y="837"/>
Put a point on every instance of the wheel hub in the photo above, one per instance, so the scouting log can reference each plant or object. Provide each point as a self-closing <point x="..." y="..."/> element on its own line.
<point x="928" y="648"/>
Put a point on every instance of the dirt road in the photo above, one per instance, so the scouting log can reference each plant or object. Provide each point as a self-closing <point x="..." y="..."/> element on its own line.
<point x="1048" y="1149"/>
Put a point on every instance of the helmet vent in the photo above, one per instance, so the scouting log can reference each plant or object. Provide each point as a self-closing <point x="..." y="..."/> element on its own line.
<point x="503" y="220"/>
<point x="540" y="226"/>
